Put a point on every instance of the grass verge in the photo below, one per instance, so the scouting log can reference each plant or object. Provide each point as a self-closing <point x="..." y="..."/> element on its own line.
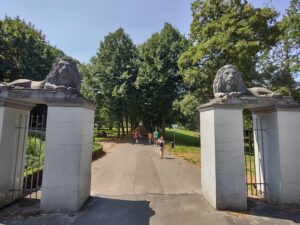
<point x="187" y="145"/>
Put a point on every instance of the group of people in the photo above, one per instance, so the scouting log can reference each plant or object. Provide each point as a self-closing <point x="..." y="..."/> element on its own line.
<point x="152" y="138"/>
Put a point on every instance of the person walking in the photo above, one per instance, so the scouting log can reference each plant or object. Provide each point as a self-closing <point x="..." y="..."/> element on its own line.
<point x="161" y="143"/>
<point x="150" y="137"/>
<point x="137" y="136"/>
<point x="155" y="134"/>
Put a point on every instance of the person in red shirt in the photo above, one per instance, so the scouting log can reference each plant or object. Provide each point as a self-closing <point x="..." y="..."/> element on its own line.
<point x="137" y="136"/>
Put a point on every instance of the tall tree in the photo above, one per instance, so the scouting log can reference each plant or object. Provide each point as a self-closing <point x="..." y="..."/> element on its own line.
<point x="113" y="71"/>
<point x="281" y="65"/>
<point x="24" y="51"/>
<point x="158" y="77"/>
<point x="225" y="32"/>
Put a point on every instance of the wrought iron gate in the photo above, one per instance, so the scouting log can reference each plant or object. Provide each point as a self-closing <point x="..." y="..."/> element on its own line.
<point x="254" y="159"/>
<point x="33" y="172"/>
<point x="28" y="183"/>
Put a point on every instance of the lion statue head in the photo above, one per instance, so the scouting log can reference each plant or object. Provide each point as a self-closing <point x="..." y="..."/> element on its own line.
<point x="229" y="81"/>
<point x="63" y="75"/>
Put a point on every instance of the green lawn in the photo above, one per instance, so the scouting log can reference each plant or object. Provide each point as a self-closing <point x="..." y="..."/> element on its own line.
<point x="111" y="134"/>
<point x="34" y="155"/>
<point x="97" y="146"/>
<point x="187" y="145"/>
<point x="250" y="175"/>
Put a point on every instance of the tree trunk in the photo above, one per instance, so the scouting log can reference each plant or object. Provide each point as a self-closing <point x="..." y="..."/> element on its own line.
<point x="126" y="120"/>
<point x="122" y="125"/>
<point x="118" y="129"/>
<point x="163" y="123"/>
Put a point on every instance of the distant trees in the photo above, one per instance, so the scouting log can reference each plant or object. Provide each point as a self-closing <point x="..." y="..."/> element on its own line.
<point x="24" y="51"/>
<point x="163" y="80"/>
<point x="158" y="78"/>
<point x="110" y="75"/>
<point x="226" y="32"/>
<point x="280" y="65"/>
<point x="234" y="32"/>
<point x="132" y="85"/>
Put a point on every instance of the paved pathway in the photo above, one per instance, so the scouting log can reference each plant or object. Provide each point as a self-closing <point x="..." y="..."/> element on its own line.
<point x="131" y="185"/>
<point x="137" y="169"/>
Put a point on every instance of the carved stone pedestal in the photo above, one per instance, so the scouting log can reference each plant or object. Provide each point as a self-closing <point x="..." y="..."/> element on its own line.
<point x="222" y="157"/>
<point x="68" y="157"/>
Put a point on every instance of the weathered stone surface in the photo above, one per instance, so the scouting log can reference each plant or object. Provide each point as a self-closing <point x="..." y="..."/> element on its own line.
<point x="229" y="82"/>
<point x="43" y="96"/>
<point x="64" y="76"/>
<point x="222" y="158"/>
<point x="13" y="117"/>
<point x="68" y="157"/>
<point x="251" y="102"/>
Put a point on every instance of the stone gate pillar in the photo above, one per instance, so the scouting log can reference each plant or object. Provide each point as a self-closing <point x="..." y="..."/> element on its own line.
<point x="14" y="119"/>
<point x="68" y="156"/>
<point x="278" y="138"/>
<point x="222" y="156"/>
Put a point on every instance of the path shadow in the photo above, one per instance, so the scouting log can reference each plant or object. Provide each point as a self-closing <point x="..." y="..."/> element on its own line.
<point x="166" y="157"/>
<point x="114" y="211"/>
<point x="260" y="208"/>
<point x="98" y="154"/>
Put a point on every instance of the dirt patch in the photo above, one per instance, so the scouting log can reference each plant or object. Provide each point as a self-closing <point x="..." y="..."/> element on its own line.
<point x="108" y="145"/>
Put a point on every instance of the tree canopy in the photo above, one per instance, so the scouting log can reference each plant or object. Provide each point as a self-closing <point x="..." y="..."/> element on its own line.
<point x="24" y="51"/>
<point x="280" y="66"/>
<point x="163" y="80"/>
<point x="111" y="75"/>
<point x="226" y="32"/>
<point x="158" y="78"/>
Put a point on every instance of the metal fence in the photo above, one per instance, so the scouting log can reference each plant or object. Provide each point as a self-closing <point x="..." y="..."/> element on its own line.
<point x="34" y="163"/>
<point x="254" y="161"/>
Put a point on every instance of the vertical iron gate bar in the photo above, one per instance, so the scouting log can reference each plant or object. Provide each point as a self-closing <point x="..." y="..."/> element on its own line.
<point x="28" y="146"/>
<point x="263" y="160"/>
<point x="34" y="151"/>
<point x="258" y="145"/>
<point x="22" y="157"/>
<point x="253" y="158"/>
<point x="250" y="159"/>
<point x="245" y="150"/>
<point x="17" y="153"/>
<point x="39" y="161"/>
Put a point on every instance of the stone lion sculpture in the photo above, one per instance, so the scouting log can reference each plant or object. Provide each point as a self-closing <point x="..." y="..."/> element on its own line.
<point x="64" y="75"/>
<point x="229" y="82"/>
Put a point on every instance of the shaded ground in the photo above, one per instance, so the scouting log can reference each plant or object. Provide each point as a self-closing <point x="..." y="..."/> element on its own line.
<point x="132" y="186"/>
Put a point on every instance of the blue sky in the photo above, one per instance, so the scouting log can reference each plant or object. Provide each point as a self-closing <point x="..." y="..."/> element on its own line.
<point x="77" y="26"/>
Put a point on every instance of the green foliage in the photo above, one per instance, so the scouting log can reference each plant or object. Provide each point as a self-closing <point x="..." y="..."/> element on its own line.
<point x="35" y="153"/>
<point x="226" y="32"/>
<point x="187" y="107"/>
<point x="97" y="147"/>
<point x="24" y="51"/>
<point x="158" y="78"/>
<point x="281" y="65"/>
<point x="111" y="74"/>
<point x="87" y="83"/>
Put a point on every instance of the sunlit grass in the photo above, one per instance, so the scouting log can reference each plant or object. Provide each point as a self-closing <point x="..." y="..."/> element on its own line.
<point x="187" y="145"/>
